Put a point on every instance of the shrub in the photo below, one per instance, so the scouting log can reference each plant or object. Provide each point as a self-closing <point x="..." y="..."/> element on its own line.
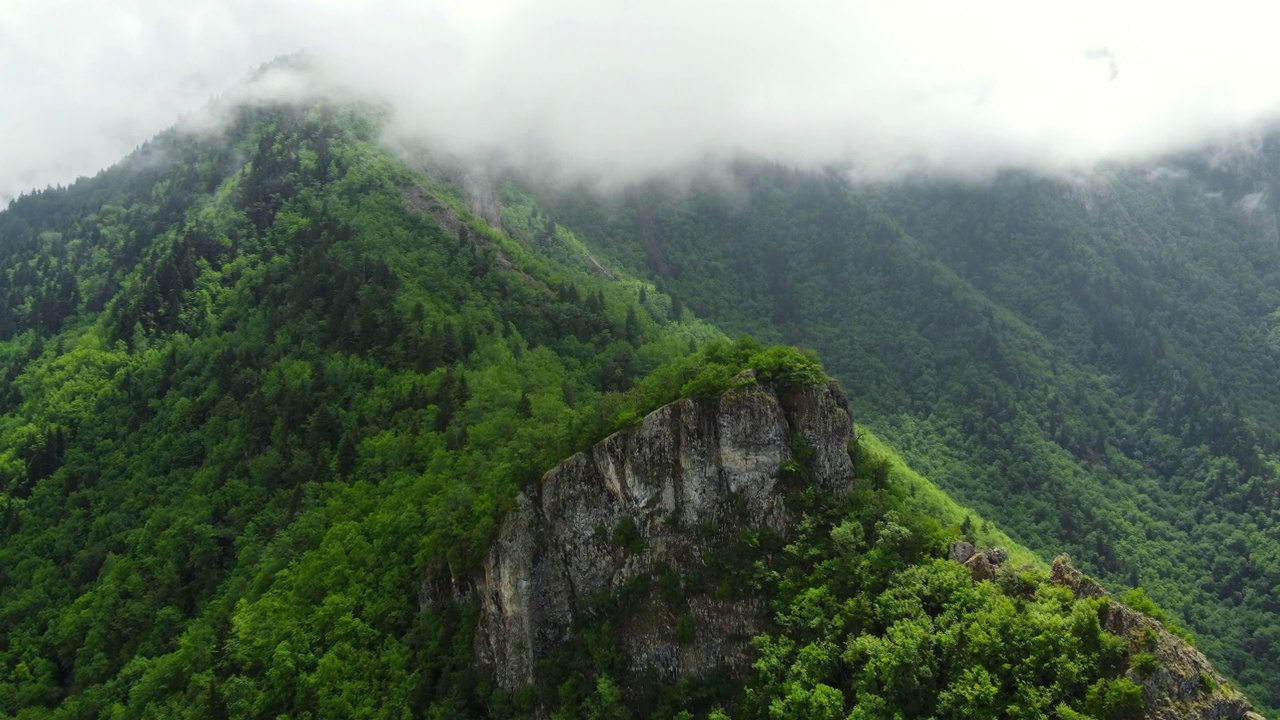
<point x="1149" y="639"/>
<point x="684" y="629"/>
<point x="1136" y="599"/>
<point x="1144" y="663"/>
<point x="1019" y="583"/>
<point x="787" y="366"/>
<point x="723" y="365"/>
<point x="1118" y="699"/>
<point x="627" y="534"/>
<point x="710" y="383"/>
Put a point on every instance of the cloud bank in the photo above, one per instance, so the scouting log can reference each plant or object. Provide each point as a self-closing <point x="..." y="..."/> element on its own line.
<point x="883" y="87"/>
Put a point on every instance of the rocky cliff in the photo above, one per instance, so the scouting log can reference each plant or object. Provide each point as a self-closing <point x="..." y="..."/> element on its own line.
<point x="1178" y="683"/>
<point x="652" y="502"/>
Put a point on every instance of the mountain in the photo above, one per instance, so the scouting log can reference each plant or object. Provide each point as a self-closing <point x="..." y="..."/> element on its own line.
<point x="273" y="392"/>
<point x="1088" y="361"/>
<point x="259" y="382"/>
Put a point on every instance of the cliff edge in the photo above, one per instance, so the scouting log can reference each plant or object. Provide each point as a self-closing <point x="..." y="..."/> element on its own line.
<point x="1177" y="681"/>
<point x="652" y="500"/>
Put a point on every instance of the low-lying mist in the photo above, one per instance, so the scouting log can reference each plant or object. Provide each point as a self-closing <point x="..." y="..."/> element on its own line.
<point x="621" y="90"/>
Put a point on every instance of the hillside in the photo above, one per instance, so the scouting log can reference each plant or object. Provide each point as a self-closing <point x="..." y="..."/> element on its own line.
<point x="1087" y="362"/>
<point x="268" y="387"/>
<point x="258" y="384"/>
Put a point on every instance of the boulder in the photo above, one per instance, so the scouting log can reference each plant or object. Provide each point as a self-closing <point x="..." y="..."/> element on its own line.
<point x="961" y="551"/>
<point x="980" y="567"/>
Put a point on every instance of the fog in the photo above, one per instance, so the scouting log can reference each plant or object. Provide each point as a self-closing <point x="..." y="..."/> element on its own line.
<point x="882" y="88"/>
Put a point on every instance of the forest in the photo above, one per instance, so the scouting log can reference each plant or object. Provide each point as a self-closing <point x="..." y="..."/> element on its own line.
<point x="262" y="381"/>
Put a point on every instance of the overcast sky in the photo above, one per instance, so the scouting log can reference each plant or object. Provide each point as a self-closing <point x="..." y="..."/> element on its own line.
<point x="958" y="87"/>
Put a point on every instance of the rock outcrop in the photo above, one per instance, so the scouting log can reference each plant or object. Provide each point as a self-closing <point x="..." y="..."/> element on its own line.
<point x="981" y="567"/>
<point x="657" y="498"/>
<point x="984" y="564"/>
<point x="961" y="551"/>
<point x="1181" y="685"/>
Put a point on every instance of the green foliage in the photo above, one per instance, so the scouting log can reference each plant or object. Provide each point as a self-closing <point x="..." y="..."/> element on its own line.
<point x="718" y="367"/>
<point x="684" y="629"/>
<point x="1137" y="599"/>
<point x="711" y="382"/>
<point x="784" y="365"/>
<point x="627" y="535"/>
<point x="606" y="703"/>
<point x="873" y="623"/>
<point x="267" y="396"/>
<point x="726" y="366"/>
<point x="1149" y="638"/>
<point x="1065" y="712"/>
<point x="879" y="466"/>
<point x="1020" y="583"/>
<point x="289" y="380"/>
<point x="1115" y="699"/>
<point x="1144" y="663"/>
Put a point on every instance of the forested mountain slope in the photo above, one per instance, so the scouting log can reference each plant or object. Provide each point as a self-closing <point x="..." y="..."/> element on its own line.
<point x="1089" y="362"/>
<point x="268" y="390"/>
<point x="259" y="383"/>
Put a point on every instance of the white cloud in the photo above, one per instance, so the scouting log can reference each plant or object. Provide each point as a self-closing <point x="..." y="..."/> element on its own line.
<point x="887" y="86"/>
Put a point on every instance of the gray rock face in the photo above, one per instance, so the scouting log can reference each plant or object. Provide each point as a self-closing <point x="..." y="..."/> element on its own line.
<point x="981" y="567"/>
<point x="655" y="496"/>
<point x="961" y="551"/>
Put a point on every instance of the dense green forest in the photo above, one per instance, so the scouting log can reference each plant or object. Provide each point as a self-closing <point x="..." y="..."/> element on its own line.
<point x="264" y="381"/>
<point x="1089" y="362"/>
<point x="258" y="386"/>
